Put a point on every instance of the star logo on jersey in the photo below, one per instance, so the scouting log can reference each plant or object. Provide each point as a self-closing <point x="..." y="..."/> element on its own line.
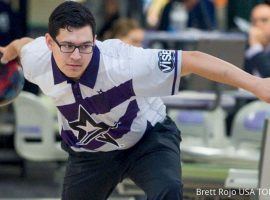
<point x="100" y="91"/>
<point x="90" y="130"/>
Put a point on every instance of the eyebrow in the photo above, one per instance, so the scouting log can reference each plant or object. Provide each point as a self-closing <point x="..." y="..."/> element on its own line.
<point x="67" y="42"/>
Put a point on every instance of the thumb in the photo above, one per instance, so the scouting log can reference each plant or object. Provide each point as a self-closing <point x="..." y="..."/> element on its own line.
<point x="2" y="55"/>
<point x="7" y="54"/>
<point x="3" y="60"/>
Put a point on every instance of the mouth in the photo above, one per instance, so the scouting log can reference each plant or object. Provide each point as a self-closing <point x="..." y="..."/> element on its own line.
<point x="74" y="65"/>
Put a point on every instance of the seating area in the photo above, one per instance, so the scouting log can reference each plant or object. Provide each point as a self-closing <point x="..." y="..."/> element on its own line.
<point x="210" y="157"/>
<point x="213" y="145"/>
<point x="36" y="137"/>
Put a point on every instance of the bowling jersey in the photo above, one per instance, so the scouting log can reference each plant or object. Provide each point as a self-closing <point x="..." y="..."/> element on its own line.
<point x="117" y="98"/>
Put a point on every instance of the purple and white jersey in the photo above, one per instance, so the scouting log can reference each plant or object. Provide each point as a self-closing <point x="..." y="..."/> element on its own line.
<point x="117" y="98"/>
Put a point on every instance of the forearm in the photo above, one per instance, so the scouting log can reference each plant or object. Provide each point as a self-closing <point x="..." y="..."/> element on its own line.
<point x="218" y="70"/>
<point x="13" y="50"/>
<point x="19" y="43"/>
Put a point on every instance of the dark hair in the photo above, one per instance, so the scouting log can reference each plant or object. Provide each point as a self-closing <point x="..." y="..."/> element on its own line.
<point x="267" y="2"/>
<point x="70" y="15"/>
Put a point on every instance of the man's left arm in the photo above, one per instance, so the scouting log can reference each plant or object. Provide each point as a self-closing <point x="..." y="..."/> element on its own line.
<point x="221" y="71"/>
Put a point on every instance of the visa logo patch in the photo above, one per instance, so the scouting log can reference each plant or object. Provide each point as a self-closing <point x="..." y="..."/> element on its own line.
<point x="166" y="60"/>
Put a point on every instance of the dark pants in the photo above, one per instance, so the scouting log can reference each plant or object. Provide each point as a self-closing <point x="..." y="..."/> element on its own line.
<point x="153" y="164"/>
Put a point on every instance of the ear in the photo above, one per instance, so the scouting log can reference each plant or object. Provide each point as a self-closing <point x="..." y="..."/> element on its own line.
<point x="95" y="38"/>
<point x="49" y="40"/>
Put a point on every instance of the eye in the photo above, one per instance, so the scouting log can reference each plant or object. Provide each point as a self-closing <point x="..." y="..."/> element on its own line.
<point x="86" y="46"/>
<point x="67" y="46"/>
<point x="264" y="20"/>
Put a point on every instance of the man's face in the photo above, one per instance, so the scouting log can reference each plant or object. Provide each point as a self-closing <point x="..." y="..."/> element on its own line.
<point x="72" y="64"/>
<point x="260" y="18"/>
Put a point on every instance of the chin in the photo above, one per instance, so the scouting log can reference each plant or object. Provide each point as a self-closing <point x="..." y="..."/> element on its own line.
<point x="73" y="76"/>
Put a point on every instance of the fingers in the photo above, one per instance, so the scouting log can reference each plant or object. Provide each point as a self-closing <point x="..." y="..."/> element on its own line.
<point x="6" y="55"/>
<point x="2" y="55"/>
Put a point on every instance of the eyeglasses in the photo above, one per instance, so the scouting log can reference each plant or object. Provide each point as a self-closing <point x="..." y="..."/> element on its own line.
<point x="70" y="48"/>
<point x="263" y="20"/>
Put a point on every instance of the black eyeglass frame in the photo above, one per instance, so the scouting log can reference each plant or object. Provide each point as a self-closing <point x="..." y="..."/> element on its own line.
<point x="74" y="47"/>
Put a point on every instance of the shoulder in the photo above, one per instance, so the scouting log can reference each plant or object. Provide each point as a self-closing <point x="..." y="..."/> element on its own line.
<point x="35" y="57"/>
<point x="35" y="51"/>
<point x="113" y="48"/>
<point x="37" y="45"/>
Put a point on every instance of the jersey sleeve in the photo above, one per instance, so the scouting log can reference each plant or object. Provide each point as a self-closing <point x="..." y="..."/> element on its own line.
<point x="35" y="57"/>
<point x="155" y="72"/>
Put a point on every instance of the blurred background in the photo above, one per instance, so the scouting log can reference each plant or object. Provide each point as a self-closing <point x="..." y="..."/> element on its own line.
<point x="224" y="129"/>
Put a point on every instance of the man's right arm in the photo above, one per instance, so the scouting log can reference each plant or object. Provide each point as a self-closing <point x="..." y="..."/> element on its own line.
<point x="12" y="50"/>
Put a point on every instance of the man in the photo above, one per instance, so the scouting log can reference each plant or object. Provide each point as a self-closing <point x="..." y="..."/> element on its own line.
<point x="112" y="121"/>
<point x="258" y="55"/>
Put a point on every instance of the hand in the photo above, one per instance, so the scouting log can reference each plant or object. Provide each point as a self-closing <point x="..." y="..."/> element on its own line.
<point x="262" y="89"/>
<point x="12" y="51"/>
<point x="8" y="53"/>
<point x="257" y="36"/>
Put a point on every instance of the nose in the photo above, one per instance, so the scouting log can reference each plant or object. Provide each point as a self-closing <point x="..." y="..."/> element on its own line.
<point x="76" y="54"/>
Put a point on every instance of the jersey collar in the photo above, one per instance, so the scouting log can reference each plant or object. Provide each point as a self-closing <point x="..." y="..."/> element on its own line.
<point x="88" y="78"/>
